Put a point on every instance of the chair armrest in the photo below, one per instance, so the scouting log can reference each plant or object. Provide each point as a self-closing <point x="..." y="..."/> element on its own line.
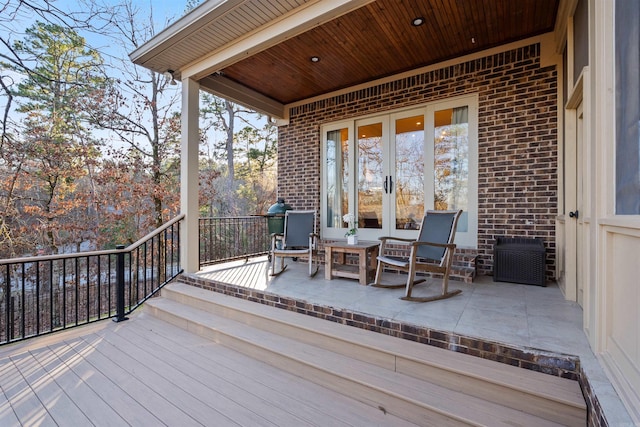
<point x="440" y="245"/>
<point x="397" y="239"/>
<point x="385" y="239"/>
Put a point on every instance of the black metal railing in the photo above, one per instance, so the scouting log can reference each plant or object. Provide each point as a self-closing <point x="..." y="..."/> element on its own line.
<point x="226" y="239"/>
<point x="39" y="295"/>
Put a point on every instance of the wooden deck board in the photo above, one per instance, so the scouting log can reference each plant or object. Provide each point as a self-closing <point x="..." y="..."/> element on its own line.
<point x="83" y="397"/>
<point x="156" y="375"/>
<point x="145" y="393"/>
<point x="315" y="404"/>
<point x="57" y="403"/>
<point x="146" y="372"/>
<point x="7" y="416"/>
<point x="203" y="394"/>
<point x="212" y="373"/>
<point x="23" y="402"/>
<point x="127" y="407"/>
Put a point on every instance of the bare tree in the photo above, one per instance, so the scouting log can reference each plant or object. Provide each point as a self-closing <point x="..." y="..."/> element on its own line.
<point x="223" y="115"/>
<point x="144" y="112"/>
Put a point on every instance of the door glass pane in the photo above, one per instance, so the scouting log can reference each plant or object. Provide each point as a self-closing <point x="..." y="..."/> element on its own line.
<point x="409" y="176"/>
<point x="627" y="51"/>
<point x="451" y="162"/>
<point x="370" y="176"/>
<point x="337" y="174"/>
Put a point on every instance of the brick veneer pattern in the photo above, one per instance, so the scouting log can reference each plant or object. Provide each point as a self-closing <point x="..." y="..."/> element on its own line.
<point x="517" y="142"/>
<point x="562" y="365"/>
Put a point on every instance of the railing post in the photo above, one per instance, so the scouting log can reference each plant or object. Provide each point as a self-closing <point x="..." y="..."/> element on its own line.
<point x="120" y="285"/>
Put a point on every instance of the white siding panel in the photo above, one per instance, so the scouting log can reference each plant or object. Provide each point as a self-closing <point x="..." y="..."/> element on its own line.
<point x="622" y="296"/>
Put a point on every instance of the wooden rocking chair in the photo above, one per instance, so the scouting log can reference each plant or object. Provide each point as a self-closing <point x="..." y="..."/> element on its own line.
<point x="432" y="252"/>
<point x="299" y="239"/>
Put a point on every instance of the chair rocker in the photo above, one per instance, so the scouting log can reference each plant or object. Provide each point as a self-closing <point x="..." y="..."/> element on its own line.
<point x="298" y="240"/>
<point x="432" y="252"/>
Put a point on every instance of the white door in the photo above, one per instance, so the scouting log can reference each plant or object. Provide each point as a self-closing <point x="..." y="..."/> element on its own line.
<point x="577" y="215"/>
<point x="388" y="169"/>
<point x="582" y="183"/>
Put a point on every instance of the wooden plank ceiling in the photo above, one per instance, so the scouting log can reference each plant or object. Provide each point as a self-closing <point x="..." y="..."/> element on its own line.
<point x="378" y="40"/>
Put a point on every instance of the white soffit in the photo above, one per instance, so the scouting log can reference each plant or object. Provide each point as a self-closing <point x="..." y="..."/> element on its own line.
<point x="207" y="28"/>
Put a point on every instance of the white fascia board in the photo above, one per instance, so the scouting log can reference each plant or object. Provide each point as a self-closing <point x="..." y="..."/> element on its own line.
<point x="235" y="92"/>
<point x="182" y="28"/>
<point x="294" y="23"/>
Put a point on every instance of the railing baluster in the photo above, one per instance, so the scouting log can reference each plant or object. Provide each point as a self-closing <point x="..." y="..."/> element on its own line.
<point x="99" y="285"/>
<point x="120" y="285"/>
<point x="144" y="264"/>
<point x="152" y="259"/>
<point x="158" y="249"/>
<point x="23" y="303"/>
<point x="178" y="247"/>
<point x="129" y="263"/>
<point x="137" y="270"/>
<point x="88" y="288"/>
<point x="8" y="304"/>
<point x="64" y="293"/>
<point x="109" y="287"/>
<point x="37" y="297"/>
<point x="77" y="273"/>
<point x="164" y="251"/>
<point x="50" y="295"/>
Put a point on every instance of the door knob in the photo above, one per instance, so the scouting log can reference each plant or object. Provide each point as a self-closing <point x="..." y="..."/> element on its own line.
<point x="573" y="214"/>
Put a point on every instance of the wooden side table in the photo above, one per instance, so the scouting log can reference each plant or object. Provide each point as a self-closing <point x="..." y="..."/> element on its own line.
<point x="367" y="253"/>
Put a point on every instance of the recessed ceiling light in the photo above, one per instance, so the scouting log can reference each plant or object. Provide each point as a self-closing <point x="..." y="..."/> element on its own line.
<point x="315" y="59"/>
<point x="417" y="21"/>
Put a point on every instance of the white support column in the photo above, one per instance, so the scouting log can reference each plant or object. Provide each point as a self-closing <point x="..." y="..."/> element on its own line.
<point x="189" y="175"/>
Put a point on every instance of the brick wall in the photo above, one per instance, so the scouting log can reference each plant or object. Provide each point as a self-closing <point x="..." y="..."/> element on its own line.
<point x="517" y="141"/>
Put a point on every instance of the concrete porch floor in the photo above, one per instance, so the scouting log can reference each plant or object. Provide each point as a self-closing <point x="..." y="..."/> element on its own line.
<point x="521" y="315"/>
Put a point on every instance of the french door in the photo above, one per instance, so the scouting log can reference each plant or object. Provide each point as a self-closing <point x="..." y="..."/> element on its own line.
<point x="388" y="169"/>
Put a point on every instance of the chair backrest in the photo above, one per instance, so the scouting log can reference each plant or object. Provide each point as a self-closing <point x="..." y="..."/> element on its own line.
<point x="437" y="227"/>
<point x="297" y="227"/>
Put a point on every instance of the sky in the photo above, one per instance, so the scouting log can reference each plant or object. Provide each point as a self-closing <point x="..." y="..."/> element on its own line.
<point x="164" y="13"/>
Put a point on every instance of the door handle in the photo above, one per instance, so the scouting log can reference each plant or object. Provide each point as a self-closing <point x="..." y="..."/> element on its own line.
<point x="386" y="178"/>
<point x="390" y="184"/>
<point x="574" y="214"/>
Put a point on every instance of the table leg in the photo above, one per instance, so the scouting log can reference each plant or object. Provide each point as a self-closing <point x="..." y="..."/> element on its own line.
<point x="328" y="263"/>
<point x="374" y="261"/>
<point x="362" y="267"/>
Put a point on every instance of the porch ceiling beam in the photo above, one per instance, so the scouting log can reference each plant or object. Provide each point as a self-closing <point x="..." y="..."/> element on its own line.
<point x="289" y="25"/>
<point x="228" y="89"/>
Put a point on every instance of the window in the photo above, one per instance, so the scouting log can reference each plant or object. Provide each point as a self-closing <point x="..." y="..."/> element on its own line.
<point x="627" y="107"/>
<point x="389" y="169"/>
